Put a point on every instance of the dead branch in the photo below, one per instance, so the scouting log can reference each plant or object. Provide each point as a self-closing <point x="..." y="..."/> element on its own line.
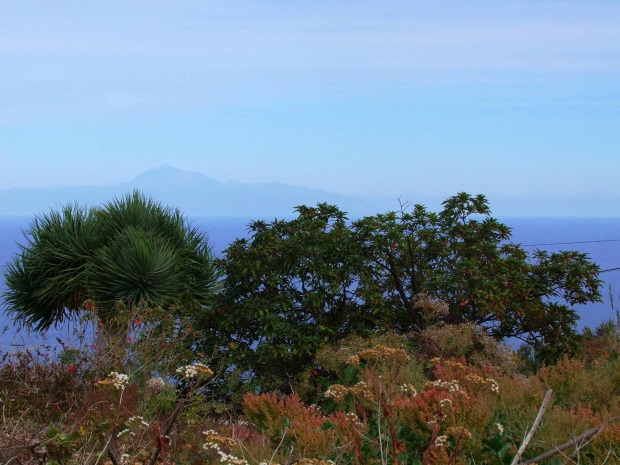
<point x="534" y="427"/>
<point x="568" y="444"/>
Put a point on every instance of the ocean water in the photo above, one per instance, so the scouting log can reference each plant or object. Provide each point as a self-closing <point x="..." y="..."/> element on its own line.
<point x="581" y="233"/>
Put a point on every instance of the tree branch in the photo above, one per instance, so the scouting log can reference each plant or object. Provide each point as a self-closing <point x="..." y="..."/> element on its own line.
<point x="112" y="457"/>
<point x="571" y="443"/>
<point x="534" y="427"/>
<point x="398" y="283"/>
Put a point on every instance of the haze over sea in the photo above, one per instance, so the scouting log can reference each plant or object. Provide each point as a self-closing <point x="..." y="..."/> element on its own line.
<point x="535" y="230"/>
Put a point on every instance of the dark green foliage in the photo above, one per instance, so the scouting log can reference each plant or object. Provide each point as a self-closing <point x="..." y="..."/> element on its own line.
<point x="499" y="446"/>
<point x="51" y="273"/>
<point x="288" y="291"/>
<point x="296" y="285"/>
<point x="130" y="251"/>
<point x="463" y="256"/>
<point x="414" y="445"/>
<point x="139" y="267"/>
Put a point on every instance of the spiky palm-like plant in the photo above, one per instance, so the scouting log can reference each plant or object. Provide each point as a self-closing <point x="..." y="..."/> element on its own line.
<point x="129" y="251"/>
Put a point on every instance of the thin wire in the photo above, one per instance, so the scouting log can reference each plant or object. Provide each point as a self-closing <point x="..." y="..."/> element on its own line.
<point x="579" y="242"/>
<point x="610" y="269"/>
<point x="568" y="243"/>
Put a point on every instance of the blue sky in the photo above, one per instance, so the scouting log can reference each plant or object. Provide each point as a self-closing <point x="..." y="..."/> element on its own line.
<point x="519" y="100"/>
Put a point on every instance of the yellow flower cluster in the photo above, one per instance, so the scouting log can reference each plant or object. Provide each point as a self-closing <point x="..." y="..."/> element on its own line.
<point x="450" y="386"/>
<point x="336" y="392"/>
<point x="459" y="432"/>
<point x="305" y="461"/>
<point x="212" y="437"/>
<point x="361" y="391"/>
<point x="381" y="352"/>
<point x="475" y="379"/>
<point x="354" y="420"/>
<point x="118" y="380"/>
<point x="453" y="364"/>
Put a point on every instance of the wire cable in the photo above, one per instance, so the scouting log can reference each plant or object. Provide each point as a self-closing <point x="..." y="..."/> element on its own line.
<point x="574" y="242"/>
<point x="579" y="242"/>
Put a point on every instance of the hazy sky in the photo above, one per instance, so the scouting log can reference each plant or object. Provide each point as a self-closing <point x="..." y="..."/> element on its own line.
<point x="507" y="98"/>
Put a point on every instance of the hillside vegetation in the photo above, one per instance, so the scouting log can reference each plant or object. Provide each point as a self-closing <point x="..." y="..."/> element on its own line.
<point x="317" y="340"/>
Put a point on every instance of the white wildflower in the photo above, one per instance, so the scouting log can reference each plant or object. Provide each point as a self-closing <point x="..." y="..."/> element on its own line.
<point x="499" y="428"/>
<point x="119" y="380"/>
<point x="231" y="459"/>
<point x="138" y="420"/>
<point x="408" y="389"/>
<point x="454" y="386"/>
<point x="194" y="371"/>
<point x="445" y="403"/>
<point x="494" y="385"/>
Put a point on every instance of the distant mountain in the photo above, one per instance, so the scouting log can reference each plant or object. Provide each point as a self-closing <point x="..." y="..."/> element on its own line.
<point x="193" y="193"/>
<point x="168" y="176"/>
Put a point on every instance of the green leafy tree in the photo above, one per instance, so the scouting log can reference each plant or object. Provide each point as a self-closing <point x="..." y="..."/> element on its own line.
<point x="130" y="251"/>
<point x="463" y="256"/>
<point x="286" y="292"/>
<point x="295" y="285"/>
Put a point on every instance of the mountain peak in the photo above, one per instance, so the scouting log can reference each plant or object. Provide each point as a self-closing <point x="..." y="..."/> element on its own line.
<point x="166" y="175"/>
<point x="164" y="169"/>
<point x="191" y="192"/>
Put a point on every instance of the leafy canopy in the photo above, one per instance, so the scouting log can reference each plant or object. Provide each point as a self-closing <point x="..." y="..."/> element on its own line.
<point x="295" y="285"/>
<point x="463" y="256"/>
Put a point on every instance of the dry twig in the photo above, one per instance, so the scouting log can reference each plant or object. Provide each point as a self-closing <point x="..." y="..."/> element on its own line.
<point x="571" y="443"/>
<point x="534" y="427"/>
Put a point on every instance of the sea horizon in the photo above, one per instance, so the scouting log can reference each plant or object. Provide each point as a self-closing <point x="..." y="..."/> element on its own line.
<point x="599" y="237"/>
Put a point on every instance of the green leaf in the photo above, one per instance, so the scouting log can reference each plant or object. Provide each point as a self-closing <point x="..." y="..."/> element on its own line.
<point x="327" y="425"/>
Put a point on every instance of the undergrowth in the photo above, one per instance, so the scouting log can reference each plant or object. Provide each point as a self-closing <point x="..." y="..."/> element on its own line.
<point x="448" y="395"/>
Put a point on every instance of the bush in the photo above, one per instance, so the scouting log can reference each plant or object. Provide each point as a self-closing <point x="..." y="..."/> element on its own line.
<point x="382" y="403"/>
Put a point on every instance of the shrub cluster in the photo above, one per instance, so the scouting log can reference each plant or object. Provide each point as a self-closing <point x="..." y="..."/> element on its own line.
<point x="420" y="399"/>
<point x="316" y="341"/>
